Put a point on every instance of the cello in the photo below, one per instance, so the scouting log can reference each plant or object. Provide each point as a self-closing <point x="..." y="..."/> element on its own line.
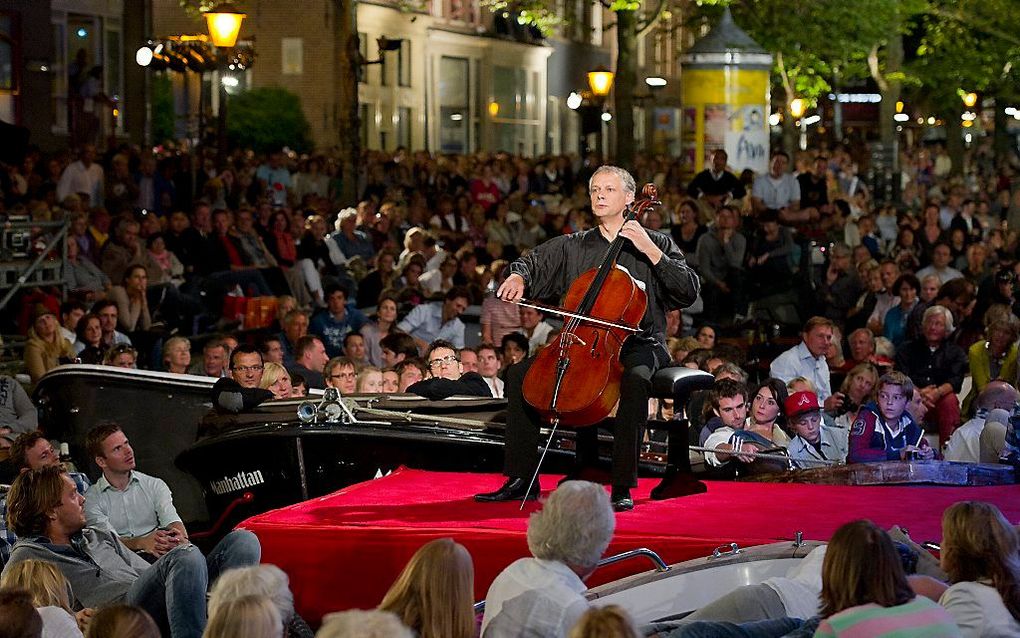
<point x="575" y="380"/>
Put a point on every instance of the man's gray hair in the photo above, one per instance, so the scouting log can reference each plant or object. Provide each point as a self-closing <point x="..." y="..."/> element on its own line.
<point x="626" y="179"/>
<point x="259" y="580"/>
<point x="362" y="623"/>
<point x="574" y="525"/>
<point x="939" y="310"/>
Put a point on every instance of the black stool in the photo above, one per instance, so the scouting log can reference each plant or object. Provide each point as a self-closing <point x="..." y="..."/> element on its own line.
<point x="677" y="383"/>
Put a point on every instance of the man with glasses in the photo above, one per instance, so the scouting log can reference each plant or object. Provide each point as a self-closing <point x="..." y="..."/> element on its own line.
<point x="341" y="373"/>
<point x="240" y="391"/>
<point x="446" y="376"/>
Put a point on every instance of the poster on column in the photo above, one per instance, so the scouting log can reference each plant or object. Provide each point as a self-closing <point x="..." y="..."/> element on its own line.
<point x="747" y="140"/>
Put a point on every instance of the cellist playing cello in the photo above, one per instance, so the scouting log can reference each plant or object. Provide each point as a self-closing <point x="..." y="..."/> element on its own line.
<point x="658" y="265"/>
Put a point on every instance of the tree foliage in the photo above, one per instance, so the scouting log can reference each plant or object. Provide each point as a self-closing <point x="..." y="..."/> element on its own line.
<point x="268" y="118"/>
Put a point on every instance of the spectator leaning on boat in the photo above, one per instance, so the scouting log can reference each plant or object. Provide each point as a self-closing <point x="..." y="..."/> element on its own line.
<point x="240" y="391"/>
<point x="884" y="430"/>
<point x="813" y="440"/>
<point x="446" y="376"/>
<point x="542" y="595"/>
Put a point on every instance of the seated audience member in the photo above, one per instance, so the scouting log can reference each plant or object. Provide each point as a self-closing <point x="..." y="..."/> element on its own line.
<point x="51" y="596"/>
<point x="240" y="391"/>
<point x="433" y="595"/>
<point x="535" y="328"/>
<point x="969" y="442"/>
<point x="354" y="349"/>
<point x="139" y="508"/>
<point x="431" y="321"/>
<point x="369" y="379"/>
<point x="446" y="376"/>
<point x="339" y="319"/>
<point x="17" y="412"/>
<point x="871" y="596"/>
<point x="980" y="555"/>
<point x="121" y="356"/>
<point x="856" y="390"/>
<point x="18" y="617"/>
<point x="862" y="347"/>
<point x="122" y="621"/>
<point x="177" y="355"/>
<point x="807" y="359"/>
<point x="384" y="323"/>
<point x="261" y="580"/>
<point x="298" y="387"/>
<point x="937" y="366"/>
<point x="884" y="430"/>
<point x="513" y="348"/>
<point x="733" y="416"/>
<point x="894" y="325"/>
<point x="410" y="371"/>
<point x="813" y="440"/>
<point x="599" y="622"/>
<point x="46" y="347"/>
<point x="390" y="381"/>
<point x="108" y="314"/>
<point x="468" y="359"/>
<point x="89" y="344"/>
<point x="309" y="360"/>
<point x="397" y="346"/>
<point x="759" y="433"/>
<point x="295" y="326"/>
<point x="488" y="367"/>
<point x="245" y="617"/>
<point x="272" y="351"/>
<point x="45" y="510"/>
<point x="993" y="358"/>
<point x="214" y="359"/>
<point x="543" y="595"/>
<point x="276" y="379"/>
<point x="342" y="374"/>
<point x="132" y="306"/>
<point x="360" y="623"/>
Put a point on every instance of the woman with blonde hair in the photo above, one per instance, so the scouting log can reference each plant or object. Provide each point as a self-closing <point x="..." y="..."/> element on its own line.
<point x="122" y="621"/>
<point x="433" y="595"/>
<point x="980" y="555"/>
<point x="865" y="592"/>
<point x="51" y="596"/>
<point x="611" y="621"/>
<point x="857" y="389"/>
<point x="276" y="379"/>
<point x="245" y="617"/>
<point x="369" y="379"/>
<point x="177" y="355"/>
<point x="46" y="347"/>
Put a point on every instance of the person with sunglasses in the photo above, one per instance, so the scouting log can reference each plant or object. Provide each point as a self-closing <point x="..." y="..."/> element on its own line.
<point x="446" y="376"/>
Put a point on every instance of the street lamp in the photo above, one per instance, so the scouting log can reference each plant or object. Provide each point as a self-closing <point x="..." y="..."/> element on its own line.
<point x="224" y="23"/>
<point x="600" y="81"/>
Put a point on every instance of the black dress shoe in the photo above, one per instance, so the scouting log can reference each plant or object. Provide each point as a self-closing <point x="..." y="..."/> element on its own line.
<point x="515" y="489"/>
<point x="622" y="502"/>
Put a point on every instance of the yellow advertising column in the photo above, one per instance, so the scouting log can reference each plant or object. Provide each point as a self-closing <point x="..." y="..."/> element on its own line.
<point x="724" y="99"/>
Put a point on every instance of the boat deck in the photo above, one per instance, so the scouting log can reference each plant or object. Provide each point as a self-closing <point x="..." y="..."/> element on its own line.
<point x="344" y="550"/>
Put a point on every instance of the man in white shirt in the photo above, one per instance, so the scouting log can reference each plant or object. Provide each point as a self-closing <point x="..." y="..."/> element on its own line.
<point x="488" y="367"/>
<point x="807" y="359"/>
<point x="83" y="176"/>
<point x="542" y="596"/>
<point x="535" y="328"/>
<point x="431" y="321"/>
<point x="941" y="255"/>
<point x="778" y="190"/>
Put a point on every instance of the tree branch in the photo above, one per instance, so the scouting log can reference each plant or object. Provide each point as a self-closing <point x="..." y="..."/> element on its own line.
<point x="876" y="72"/>
<point x="992" y="31"/>
<point x="642" y="27"/>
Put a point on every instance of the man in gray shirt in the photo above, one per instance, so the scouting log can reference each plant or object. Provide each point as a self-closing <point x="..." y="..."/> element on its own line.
<point x="720" y="259"/>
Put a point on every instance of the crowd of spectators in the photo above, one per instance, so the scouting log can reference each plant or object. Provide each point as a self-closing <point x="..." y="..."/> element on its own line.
<point x="256" y="272"/>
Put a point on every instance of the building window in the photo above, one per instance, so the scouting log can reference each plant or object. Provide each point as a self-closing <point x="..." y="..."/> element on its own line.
<point x="292" y="55"/>
<point x="404" y="127"/>
<point x="364" y="112"/>
<point x="404" y="63"/>
<point x="454" y="106"/>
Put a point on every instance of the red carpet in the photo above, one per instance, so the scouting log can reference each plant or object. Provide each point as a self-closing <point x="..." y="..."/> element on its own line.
<point x="345" y="549"/>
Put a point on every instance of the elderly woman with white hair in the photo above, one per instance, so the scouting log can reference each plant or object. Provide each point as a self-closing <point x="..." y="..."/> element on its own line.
<point x="260" y="580"/>
<point x="937" y="366"/>
<point x="542" y="596"/>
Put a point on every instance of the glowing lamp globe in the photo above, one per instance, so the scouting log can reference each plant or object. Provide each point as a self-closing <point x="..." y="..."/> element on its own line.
<point x="224" y="23"/>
